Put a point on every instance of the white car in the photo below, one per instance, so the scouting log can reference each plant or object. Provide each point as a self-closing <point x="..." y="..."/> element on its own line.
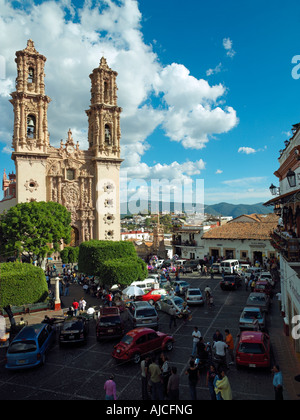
<point x="168" y="302"/>
<point x="194" y="296"/>
<point x="265" y="275"/>
<point x="255" y="270"/>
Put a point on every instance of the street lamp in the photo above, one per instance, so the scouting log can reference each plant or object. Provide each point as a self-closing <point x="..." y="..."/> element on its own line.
<point x="291" y="177"/>
<point x="274" y="190"/>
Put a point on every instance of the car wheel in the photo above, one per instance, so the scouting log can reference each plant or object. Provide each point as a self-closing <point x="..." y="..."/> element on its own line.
<point x="169" y="346"/>
<point x="136" y="358"/>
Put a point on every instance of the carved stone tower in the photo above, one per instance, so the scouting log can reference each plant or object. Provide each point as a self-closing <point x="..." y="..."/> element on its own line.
<point x="30" y="137"/>
<point x="86" y="182"/>
<point x="104" y="142"/>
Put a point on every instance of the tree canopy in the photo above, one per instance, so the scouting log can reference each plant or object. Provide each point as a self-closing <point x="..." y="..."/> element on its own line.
<point x="34" y="229"/>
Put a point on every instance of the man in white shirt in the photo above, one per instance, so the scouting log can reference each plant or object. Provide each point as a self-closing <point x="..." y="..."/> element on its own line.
<point x="220" y="349"/>
<point x="196" y="337"/>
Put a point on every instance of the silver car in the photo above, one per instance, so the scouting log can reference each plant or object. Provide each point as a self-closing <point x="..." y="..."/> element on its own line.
<point x="194" y="296"/>
<point x="142" y="314"/>
<point x="259" y="300"/>
<point x="247" y="318"/>
<point x="166" y="303"/>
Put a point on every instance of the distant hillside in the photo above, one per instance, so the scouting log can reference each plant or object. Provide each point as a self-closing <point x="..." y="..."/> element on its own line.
<point x="235" y="210"/>
<point x="221" y="209"/>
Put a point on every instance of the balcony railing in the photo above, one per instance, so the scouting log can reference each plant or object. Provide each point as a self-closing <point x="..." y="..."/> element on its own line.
<point x="184" y="243"/>
<point x="288" y="247"/>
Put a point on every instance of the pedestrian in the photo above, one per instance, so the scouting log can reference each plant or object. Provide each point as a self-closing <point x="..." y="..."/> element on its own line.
<point x="230" y="345"/>
<point x="82" y="304"/>
<point x="110" y="389"/>
<point x="193" y="374"/>
<point x="173" y="385"/>
<point x="211" y="301"/>
<point x="210" y="379"/>
<point x="196" y="335"/>
<point x="75" y="305"/>
<point x="211" y="273"/>
<point x="67" y="286"/>
<point x="145" y="376"/>
<point x="172" y="317"/>
<point x="166" y="372"/>
<point x="217" y="336"/>
<point x="223" y="386"/>
<point x="277" y="383"/>
<point x="155" y="381"/>
<point x="220" y="349"/>
<point x="255" y="323"/>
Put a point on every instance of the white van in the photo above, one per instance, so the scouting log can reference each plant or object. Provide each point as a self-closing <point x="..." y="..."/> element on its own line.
<point x="228" y="266"/>
<point x="147" y="284"/>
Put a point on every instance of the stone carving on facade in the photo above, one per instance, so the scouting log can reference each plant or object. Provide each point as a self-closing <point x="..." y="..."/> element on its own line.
<point x="109" y="219"/>
<point x="31" y="185"/>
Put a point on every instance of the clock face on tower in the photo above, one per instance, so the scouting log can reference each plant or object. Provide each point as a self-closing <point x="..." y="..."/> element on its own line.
<point x="70" y="149"/>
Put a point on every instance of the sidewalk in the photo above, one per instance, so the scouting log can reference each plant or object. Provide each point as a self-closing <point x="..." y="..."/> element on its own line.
<point x="284" y="355"/>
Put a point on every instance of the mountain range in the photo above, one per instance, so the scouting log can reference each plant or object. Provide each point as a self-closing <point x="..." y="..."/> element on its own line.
<point x="220" y="209"/>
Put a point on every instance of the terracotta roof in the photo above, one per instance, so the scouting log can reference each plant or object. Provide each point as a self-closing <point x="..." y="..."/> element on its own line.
<point x="259" y="228"/>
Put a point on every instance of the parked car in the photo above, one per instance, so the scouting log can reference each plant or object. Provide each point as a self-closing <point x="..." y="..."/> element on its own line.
<point x="253" y="350"/>
<point x="259" y="300"/>
<point x="247" y="316"/>
<point x="191" y="265"/>
<point x="252" y="270"/>
<point x="147" y="284"/>
<point x="109" y="323"/>
<point x="167" y="302"/>
<point x="28" y="349"/>
<point x="266" y="276"/>
<point x="74" y="330"/>
<point x="263" y="286"/>
<point x="140" y="341"/>
<point x="142" y="314"/>
<point x="216" y="267"/>
<point x="183" y="286"/>
<point x="230" y="282"/>
<point x="152" y="296"/>
<point x="229" y="266"/>
<point x="194" y="296"/>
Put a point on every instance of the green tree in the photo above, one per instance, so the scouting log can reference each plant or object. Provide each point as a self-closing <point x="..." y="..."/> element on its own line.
<point x="34" y="229"/>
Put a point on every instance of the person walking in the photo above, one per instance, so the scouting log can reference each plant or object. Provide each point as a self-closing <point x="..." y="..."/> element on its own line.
<point x="220" y="349"/>
<point x="82" y="304"/>
<point x="75" y="305"/>
<point x="145" y="376"/>
<point x="210" y="379"/>
<point x="277" y="383"/>
<point x="172" y="317"/>
<point x="173" y="385"/>
<point x="67" y="286"/>
<point x="193" y="374"/>
<point x="155" y="380"/>
<point x="110" y="389"/>
<point x="223" y="386"/>
<point x="230" y="346"/>
<point x="196" y="335"/>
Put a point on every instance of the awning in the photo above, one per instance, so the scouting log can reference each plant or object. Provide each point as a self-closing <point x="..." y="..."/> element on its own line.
<point x="284" y="198"/>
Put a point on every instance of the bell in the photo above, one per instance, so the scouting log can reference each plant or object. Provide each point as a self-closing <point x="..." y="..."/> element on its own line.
<point x="30" y="123"/>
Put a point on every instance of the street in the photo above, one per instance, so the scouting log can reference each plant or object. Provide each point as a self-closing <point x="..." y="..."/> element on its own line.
<point x="79" y="372"/>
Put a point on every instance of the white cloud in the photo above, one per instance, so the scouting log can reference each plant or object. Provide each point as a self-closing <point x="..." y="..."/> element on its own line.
<point x="189" y="110"/>
<point x="246" y="150"/>
<point x="219" y="171"/>
<point x="244" y="182"/>
<point x="216" y="70"/>
<point x="227" y="44"/>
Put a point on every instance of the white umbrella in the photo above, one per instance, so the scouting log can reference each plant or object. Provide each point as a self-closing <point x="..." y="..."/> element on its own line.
<point x="133" y="291"/>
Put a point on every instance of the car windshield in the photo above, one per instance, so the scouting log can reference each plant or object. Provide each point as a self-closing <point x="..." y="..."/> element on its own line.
<point x="178" y="302"/>
<point x="251" y="314"/>
<point x="24" y="346"/>
<point x="260" y="286"/>
<point x="127" y="339"/>
<point x="183" y="283"/>
<point x="194" y="292"/>
<point x="257" y="298"/>
<point x="72" y="325"/>
<point x="251" y="348"/>
<point x="109" y="320"/>
<point x="146" y="312"/>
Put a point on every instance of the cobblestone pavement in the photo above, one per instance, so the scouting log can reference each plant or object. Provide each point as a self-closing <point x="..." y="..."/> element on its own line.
<point x="79" y="373"/>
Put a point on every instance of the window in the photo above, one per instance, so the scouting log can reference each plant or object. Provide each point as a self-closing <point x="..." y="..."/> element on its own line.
<point x="107" y="134"/>
<point x="31" y="126"/>
<point x="30" y="75"/>
<point x="70" y="174"/>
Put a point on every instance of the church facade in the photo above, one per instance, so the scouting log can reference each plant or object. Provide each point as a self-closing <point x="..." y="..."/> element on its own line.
<point x="86" y="182"/>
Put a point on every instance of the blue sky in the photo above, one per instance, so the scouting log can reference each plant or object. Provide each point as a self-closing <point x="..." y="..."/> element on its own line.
<point x="206" y="87"/>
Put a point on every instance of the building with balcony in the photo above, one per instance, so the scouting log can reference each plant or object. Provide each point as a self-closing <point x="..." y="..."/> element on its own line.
<point x="286" y="236"/>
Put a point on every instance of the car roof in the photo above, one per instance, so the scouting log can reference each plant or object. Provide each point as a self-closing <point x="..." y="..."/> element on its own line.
<point x="30" y="332"/>
<point x="140" y="330"/>
<point x="251" y="336"/>
<point x="251" y="309"/>
<point x="141" y="303"/>
<point x="258" y="294"/>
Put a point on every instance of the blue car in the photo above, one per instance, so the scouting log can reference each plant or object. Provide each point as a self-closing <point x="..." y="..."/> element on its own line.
<point x="28" y="349"/>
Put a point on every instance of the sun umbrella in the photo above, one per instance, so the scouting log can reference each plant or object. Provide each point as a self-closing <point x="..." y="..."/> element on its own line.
<point x="133" y="291"/>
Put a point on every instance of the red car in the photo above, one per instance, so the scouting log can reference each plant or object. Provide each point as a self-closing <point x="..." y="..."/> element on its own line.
<point x="152" y="296"/>
<point x="253" y="350"/>
<point x="262" y="286"/>
<point x="139" y="342"/>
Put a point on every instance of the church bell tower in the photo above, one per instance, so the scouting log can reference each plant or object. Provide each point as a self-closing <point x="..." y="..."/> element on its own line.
<point x="30" y="136"/>
<point x="104" y="142"/>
